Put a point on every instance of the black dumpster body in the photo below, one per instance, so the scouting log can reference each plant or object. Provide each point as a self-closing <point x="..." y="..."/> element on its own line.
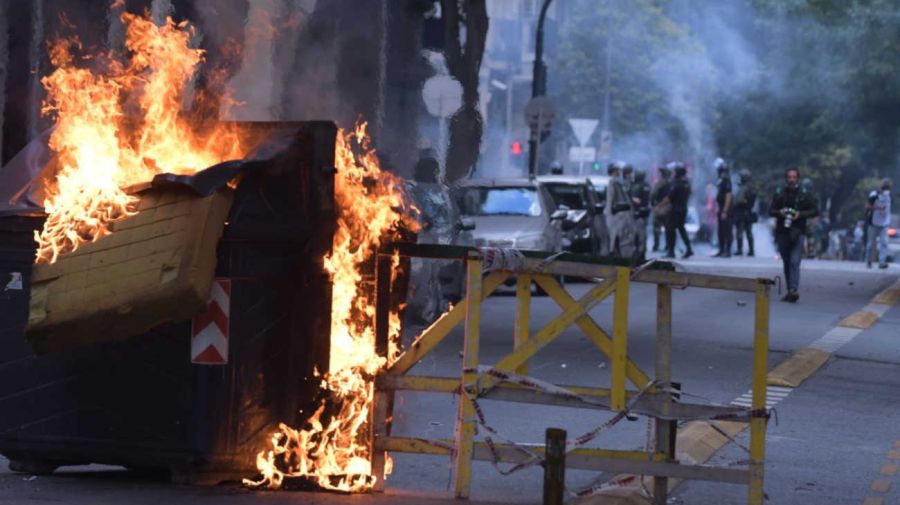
<point x="141" y="402"/>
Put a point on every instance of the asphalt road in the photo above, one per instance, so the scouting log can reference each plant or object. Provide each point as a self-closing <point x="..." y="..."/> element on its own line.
<point x="832" y="436"/>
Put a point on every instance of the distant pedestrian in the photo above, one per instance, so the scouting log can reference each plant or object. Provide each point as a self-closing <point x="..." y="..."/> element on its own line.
<point x="660" y="190"/>
<point x="858" y="242"/>
<point x="792" y="207"/>
<point x="745" y="212"/>
<point x="724" y="200"/>
<point x="878" y="230"/>
<point x="640" y="197"/>
<point x="676" y="200"/>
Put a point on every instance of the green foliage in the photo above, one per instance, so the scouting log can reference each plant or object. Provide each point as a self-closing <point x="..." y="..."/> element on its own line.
<point x="827" y="100"/>
<point x="637" y="104"/>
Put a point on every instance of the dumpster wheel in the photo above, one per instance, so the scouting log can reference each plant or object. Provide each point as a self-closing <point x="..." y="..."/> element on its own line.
<point x="33" y="466"/>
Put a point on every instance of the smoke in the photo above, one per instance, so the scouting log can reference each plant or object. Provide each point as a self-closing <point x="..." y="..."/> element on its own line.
<point x="4" y="62"/>
<point x="35" y="91"/>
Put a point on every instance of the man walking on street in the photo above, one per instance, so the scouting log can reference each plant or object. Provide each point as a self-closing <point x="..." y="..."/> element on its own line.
<point x="677" y="201"/>
<point x="640" y="197"/>
<point x="881" y="220"/>
<point x="723" y="203"/>
<point x="792" y="207"/>
<point x="660" y="190"/>
<point x="744" y="215"/>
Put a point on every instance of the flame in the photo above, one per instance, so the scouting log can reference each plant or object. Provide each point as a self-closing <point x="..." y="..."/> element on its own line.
<point x="117" y="125"/>
<point x="336" y="453"/>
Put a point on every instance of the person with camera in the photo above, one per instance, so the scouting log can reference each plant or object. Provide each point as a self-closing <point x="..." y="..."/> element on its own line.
<point x="792" y="206"/>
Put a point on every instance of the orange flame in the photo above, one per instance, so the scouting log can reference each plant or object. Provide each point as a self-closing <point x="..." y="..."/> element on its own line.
<point x="336" y="453"/>
<point x="119" y="126"/>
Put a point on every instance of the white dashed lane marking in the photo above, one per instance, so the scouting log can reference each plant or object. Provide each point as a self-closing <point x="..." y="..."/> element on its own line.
<point x="774" y="394"/>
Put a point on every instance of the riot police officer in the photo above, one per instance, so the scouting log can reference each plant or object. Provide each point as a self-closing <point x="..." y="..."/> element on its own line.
<point x="744" y="212"/>
<point x="723" y="203"/>
<point x="619" y="213"/>
<point x="640" y="197"/>
<point x="556" y="168"/>
<point x="660" y="190"/>
<point x="627" y="177"/>
<point x="677" y="199"/>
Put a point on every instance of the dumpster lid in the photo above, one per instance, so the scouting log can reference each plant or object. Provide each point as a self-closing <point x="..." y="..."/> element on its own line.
<point x="19" y="178"/>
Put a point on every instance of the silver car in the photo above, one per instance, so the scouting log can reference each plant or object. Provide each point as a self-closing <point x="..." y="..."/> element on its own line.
<point x="584" y="230"/>
<point x="511" y="213"/>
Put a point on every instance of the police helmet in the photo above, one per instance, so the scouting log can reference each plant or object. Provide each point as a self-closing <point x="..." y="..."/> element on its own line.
<point x="556" y="168"/>
<point x="640" y="175"/>
<point x="680" y="169"/>
<point x="806" y="184"/>
<point x="745" y="175"/>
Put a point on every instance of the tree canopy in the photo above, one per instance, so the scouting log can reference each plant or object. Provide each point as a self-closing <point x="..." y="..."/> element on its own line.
<point x="765" y="84"/>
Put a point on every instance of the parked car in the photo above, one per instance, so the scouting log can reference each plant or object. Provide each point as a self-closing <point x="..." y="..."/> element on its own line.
<point x="894" y="239"/>
<point x="584" y="230"/>
<point x="511" y="213"/>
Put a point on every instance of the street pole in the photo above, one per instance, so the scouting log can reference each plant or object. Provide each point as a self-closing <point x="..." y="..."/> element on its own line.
<point x="538" y="88"/>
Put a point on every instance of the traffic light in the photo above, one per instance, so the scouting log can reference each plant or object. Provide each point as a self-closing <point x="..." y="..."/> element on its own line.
<point x="596" y="166"/>
<point x="516" y="147"/>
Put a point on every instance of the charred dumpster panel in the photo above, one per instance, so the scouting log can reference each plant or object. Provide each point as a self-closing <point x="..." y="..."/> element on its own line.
<point x="139" y="401"/>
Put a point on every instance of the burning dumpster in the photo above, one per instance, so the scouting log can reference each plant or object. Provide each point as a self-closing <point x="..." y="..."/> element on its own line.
<point x="138" y="400"/>
<point x="202" y="298"/>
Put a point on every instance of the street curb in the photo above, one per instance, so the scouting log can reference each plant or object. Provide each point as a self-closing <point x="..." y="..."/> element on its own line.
<point x="797" y="368"/>
<point x="698" y="441"/>
<point x="861" y="319"/>
<point x="889" y="296"/>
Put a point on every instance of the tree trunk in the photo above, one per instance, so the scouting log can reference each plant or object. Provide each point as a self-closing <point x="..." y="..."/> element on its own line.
<point x="466" y="125"/>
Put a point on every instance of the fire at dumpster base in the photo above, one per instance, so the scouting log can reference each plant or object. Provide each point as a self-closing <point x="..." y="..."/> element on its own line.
<point x="334" y="450"/>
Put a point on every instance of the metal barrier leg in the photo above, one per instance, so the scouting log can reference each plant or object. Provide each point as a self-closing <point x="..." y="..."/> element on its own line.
<point x="619" y="356"/>
<point x="383" y="400"/>
<point x="760" y="371"/>
<point x="665" y="430"/>
<point x="554" y="466"/>
<point x="465" y="419"/>
<point x="523" y="315"/>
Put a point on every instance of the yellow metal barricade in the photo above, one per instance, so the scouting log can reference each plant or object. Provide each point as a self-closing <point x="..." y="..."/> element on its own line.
<point x="504" y="381"/>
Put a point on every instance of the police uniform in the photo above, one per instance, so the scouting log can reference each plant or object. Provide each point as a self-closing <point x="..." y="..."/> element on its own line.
<point x="744" y="216"/>
<point x="640" y="194"/>
<point x="679" y="196"/>
<point x="724" y="224"/>
<point x="660" y="190"/>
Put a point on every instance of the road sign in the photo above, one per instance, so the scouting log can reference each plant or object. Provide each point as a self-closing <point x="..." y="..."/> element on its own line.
<point x="540" y="113"/>
<point x="582" y="154"/>
<point x="442" y="95"/>
<point x="583" y="129"/>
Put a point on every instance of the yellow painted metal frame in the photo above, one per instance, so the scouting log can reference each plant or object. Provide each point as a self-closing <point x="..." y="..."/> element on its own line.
<point x="661" y="460"/>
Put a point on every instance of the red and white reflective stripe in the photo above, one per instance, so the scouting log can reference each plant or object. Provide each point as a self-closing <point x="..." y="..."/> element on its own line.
<point x="209" y="331"/>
